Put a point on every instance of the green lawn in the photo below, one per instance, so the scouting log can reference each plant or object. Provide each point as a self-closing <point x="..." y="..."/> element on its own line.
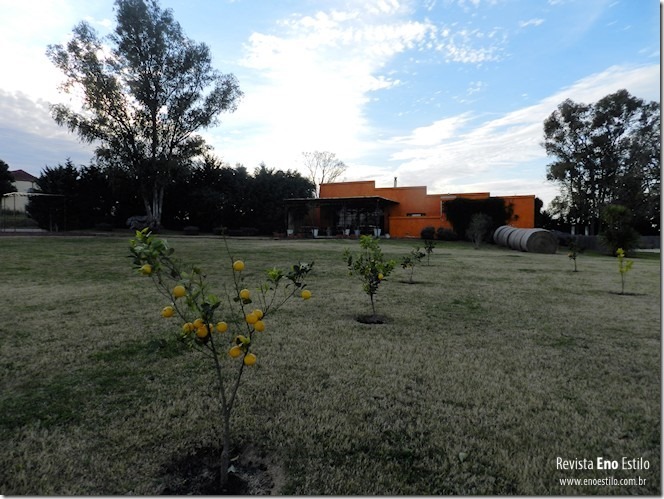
<point x="493" y="365"/>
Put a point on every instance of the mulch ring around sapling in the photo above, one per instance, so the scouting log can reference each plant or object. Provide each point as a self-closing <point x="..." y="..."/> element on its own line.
<point x="372" y="319"/>
<point x="197" y="473"/>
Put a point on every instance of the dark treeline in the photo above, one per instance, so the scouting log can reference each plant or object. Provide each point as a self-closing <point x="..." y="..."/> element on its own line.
<point x="211" y="195"/>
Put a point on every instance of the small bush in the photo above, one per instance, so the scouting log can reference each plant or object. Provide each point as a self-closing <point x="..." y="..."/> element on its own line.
<point x="428" y="233"/>
<point x="444" y="234"/>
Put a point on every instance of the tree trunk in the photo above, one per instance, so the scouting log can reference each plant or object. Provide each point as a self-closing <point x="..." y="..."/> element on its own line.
<point x="225" y="454"/>
<point x="157" y="204"/>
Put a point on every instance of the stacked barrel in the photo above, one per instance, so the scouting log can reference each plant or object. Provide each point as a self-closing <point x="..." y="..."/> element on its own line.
<point x="531" y="240"/>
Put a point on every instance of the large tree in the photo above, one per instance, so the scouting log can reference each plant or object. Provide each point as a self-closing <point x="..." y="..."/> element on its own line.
<point x="605" y="153"/>
<point x="147" y="92"/>
<point x="323" y="166"/>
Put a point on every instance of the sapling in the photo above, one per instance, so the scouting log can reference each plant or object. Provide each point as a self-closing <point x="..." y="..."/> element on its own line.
<point x="369" y="266"/>
<point x="411" y="260"/>
<point x="225" y="331"/>
<point x="574" y="251"/>
<point x="624" y="266"/>
<point x="429" y="245"/>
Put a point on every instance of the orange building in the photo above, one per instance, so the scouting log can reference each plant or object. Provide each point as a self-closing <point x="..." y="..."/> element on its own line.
<point x="398" y="211"/>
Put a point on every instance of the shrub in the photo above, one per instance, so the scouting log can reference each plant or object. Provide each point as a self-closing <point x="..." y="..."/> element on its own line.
<point x="444" y="234"/>
<point x="428" y="233"/>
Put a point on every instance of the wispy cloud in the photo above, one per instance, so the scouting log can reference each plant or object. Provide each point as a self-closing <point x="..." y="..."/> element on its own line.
<point x="453" y="151"/>
<point x="530" y="22"/>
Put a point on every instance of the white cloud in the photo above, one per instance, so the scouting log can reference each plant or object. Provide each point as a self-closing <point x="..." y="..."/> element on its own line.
<point x="26" y="38"/>
<point x="312" y="81"/>
<point x="530" y="22"/>
<point x="437" y="132"/>
<point x="453" y="151"/>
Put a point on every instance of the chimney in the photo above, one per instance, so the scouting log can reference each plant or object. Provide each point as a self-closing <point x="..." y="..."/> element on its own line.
<point x="395" y="182"/>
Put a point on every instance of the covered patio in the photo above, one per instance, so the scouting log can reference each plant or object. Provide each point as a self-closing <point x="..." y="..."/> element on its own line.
<point x="338" y="216"/>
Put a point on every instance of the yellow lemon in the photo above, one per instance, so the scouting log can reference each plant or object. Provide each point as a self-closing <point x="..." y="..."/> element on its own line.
<point x="249" y="359"/>
<point x="202" y="332"/>
<point x="238" y="265"/>
<point x="380" y="277"/>
<point x="198" y="323"/>
<point x="188" y="328"/>
<point x="167" y="312"/>
<point x="222" y="327"/>
<point x="179" y="291"/>
<point x="251" y="318"/>
<point x="146" y="269"/>
<point x="306" y="294"/>
<point x="259" y="326"/>
<point x="245" y="294"/>
<point x="235" y="351"/>
<point x="258" y="313"/>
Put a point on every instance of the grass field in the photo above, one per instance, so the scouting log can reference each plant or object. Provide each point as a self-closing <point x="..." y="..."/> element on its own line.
<point x="492" y="365"/>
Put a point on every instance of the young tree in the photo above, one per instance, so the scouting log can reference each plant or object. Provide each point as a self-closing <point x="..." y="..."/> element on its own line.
<point x="148" y="91"/>
<point x="605" y="153"/>
<point x="370" y="267"/>
<point x="206" y="317"/>
<point x="6" y="179"/>
<point x="411" y="260"/>
<point x="479" y="229"/>
<point x="323" y="167"/>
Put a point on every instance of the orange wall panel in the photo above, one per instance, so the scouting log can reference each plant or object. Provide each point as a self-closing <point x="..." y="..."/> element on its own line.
<point x="524" y="211"/>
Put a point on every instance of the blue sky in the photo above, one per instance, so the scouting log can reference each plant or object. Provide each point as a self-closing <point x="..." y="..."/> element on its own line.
<point x="450" y="94"/>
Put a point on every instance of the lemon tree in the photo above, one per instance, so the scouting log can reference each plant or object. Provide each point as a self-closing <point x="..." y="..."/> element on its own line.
<point x="412" y="259"/>
<point x="624" y="266"/>
<point x="369" y="266"/>
<point x="225" y="328"/>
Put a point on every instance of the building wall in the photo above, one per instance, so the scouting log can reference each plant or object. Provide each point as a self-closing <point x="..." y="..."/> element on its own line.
<point x="18" y="203"/>
<point x="418" y="209"/>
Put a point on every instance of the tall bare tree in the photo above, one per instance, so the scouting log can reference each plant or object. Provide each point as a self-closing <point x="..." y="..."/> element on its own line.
<point x="147" y="92"/>
<point x="323" y="167"/>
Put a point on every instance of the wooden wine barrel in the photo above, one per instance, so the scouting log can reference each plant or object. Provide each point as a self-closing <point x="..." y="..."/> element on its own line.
<point x="531" y="240"/>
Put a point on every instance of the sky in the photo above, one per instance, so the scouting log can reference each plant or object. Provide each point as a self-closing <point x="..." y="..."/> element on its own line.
<point x="449" y="94"/>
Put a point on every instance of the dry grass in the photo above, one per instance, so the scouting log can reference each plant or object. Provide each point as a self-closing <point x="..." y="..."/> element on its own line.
<point x="492" y="365"/>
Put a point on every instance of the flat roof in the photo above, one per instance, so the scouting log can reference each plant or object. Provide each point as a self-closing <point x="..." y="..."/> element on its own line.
<point x="341" y="200"/>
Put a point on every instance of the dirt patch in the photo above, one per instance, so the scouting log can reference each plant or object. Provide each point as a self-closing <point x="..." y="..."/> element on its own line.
<point x="372" y="319"/>
<point x="198" y="473"/>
